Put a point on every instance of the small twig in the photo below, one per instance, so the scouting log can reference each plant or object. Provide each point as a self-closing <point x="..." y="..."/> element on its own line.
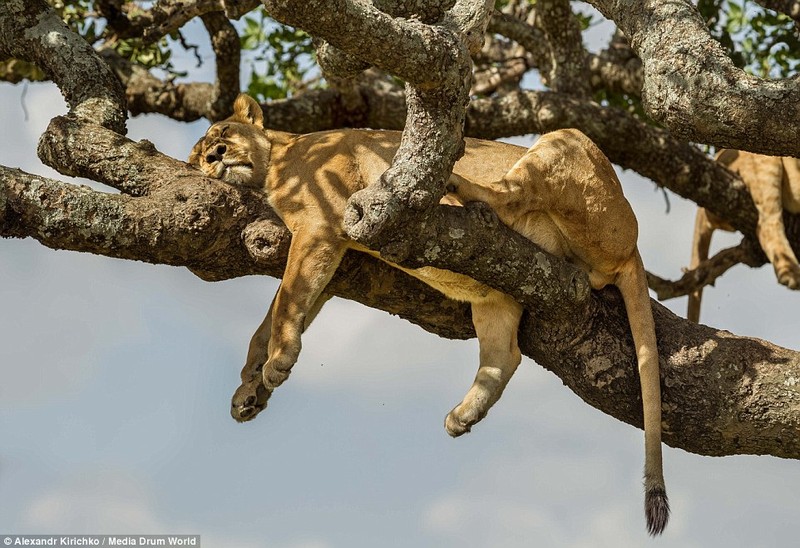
<point x="705" y="274"/>
<point x="194" y="48"/>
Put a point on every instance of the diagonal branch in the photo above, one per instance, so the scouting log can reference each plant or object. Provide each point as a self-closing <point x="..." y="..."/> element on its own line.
<point x="567" y="63"/>
<point x="616" y="68"/>
<point x="414" y="51"/>
<point x="87" y="150"/>
<point x="32" y="31"/>
<point x="694" y="89"/>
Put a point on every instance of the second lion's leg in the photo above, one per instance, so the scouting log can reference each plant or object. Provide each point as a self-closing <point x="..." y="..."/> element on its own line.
<point x="767" y="195"/>
<point x="496" y="321"/>
<point x="703" y="229"/>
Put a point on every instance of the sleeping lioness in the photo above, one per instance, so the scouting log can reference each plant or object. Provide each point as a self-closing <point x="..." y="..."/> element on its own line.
<point x="774" y="185"/>
<point x="562" y="194"/>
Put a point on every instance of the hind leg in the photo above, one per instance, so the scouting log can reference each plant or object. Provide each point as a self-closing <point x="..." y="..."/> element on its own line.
<point x="703" y="229"/>
<point x="251" y="396"/>
<point x="496" y="321"/>
<point x="766" y="190"/>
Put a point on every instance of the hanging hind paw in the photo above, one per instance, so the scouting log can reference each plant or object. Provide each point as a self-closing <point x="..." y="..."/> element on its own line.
<point x="461" y="419"/>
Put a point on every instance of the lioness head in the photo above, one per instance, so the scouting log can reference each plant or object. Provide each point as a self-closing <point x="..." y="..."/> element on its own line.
<point x="235" y="150"/>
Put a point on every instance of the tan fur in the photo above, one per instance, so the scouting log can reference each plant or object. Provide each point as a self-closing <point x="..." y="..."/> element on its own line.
<point x="774" y="185"/>
<point x="562" y="193"/>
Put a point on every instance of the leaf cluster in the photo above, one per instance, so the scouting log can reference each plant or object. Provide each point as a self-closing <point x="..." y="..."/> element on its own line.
<point x="761" y="42"/>
<point x="281" y="57"/>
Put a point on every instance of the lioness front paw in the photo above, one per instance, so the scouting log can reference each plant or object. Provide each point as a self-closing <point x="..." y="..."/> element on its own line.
<point x="249" y="400"/>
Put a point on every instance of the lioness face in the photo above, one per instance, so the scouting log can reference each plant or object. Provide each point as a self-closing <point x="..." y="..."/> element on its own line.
<point x="237" y="153"/>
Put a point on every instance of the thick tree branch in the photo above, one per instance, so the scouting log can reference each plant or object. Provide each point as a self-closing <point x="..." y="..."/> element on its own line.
<point x="31" y="30"/>
<point x="694" y="89"/>
<point x="227" y="52"/>
<point x="435" y="63"/>
<point x="418" y="53"/>
<point x="84" y="149"/>
<point x="184" y="102"/>
<point x="567" y="63"/>
<point x="722" y="394"/>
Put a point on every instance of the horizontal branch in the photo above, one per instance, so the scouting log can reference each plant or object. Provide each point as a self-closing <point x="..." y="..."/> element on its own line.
<point x="722" y="394"/>
<point x="185" y="102"/>
<point x="706" y="273"/>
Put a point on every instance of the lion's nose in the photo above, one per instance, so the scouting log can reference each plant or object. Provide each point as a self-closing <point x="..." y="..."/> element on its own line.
<point x="216" y="155"/>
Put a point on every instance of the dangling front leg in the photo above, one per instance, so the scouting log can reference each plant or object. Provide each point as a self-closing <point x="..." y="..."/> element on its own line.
<point x="313" y="258"/>
<point x="251" y="396"/>
<point x="496" y="322"/>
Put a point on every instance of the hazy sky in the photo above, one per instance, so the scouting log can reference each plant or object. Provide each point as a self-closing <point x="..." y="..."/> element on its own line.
<point x="117" y="376"/>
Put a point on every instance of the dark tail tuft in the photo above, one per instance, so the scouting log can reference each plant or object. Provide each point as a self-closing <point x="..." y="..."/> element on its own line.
<point x="656" y="508"/>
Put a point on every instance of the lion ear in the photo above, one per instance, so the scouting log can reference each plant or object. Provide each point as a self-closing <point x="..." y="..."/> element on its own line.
<point x="248" y="111"/>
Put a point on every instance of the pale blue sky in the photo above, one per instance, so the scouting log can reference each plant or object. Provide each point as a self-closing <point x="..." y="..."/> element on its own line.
<point x="117" y="375"/>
